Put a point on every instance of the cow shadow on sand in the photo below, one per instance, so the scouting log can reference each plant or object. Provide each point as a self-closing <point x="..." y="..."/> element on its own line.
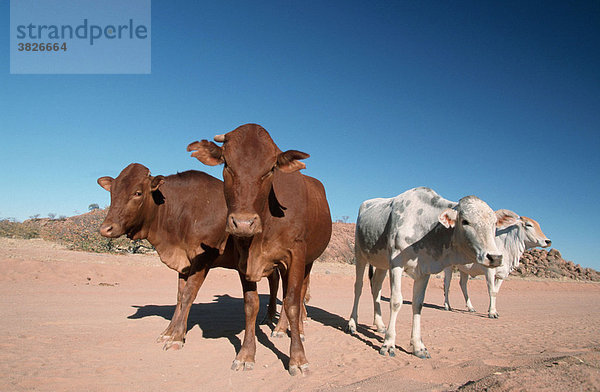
<point x="439" y="307"/>
<point x="223" y="317"/>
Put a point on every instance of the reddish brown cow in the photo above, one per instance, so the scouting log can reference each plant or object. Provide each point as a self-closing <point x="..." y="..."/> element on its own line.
<point x="277" y="216"/>
<point x="183" y="217"/>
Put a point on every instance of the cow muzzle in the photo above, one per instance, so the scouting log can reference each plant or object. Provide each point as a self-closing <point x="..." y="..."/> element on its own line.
<point x="492" y="260"/>
<point x="110" y="230"/>
<point x="244" y="225"/>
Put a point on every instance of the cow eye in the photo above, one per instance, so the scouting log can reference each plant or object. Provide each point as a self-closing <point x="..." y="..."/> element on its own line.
<point x="465" y="222"/>
<point x="528" y="225"/>
<point x="267" y="174"/>
<point x="138" y="193"/>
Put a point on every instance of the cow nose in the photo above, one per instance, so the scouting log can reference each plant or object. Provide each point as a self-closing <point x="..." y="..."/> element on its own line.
<point x="548" y="242"/>
<point x="106" y="230"/>
<point x="244" y="225"/>
<point x="494" y="260"/>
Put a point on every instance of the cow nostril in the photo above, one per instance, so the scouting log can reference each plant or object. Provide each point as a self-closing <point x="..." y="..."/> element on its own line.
<point x="548" y="242"/>
<point x="494" y="258"/>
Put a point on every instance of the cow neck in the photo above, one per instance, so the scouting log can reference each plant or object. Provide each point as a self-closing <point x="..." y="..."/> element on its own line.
<point x="151" y="228"/>
<point x="513" y="245"/>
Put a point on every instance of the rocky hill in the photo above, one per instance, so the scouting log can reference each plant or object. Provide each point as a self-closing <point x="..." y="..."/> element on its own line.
<point x="550" y="264"/>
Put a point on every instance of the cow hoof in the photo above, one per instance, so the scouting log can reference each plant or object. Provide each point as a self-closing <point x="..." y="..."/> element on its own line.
<point x="387" y="350"/>
<point x="277" y="334"/>
<point x="302" y="369"/>
<point x="163" y="338"/>
<point x="471" y="310"/>
<point x="448" y="307"/>
<point x="493" y="315"/>
<point x="239" y="365"/>
<point x="423" y="354"/>
<point x="173" y="345"/>
<point x="350" y="329"/>
<point x="302" y="337"/>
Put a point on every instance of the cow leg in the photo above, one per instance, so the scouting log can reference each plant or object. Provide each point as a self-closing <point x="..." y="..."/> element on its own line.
<point x="245" y="358"/>
<point x="389" y="343"/>
<point x="358" y="285"/>
<point x="282" y="324"/>
<point x="305" y="299"/>
<point x="447" y="281"/>
<point x="298" y="276"/>
<point x="190" y="291"/>
<point x="273" y="289"/>
<point x="464" y="279"/>
<point x="376" y="283"/>
<point x="490" y="279"/>
<point x="497" y="289"/>
<point x="303" y="296"/>
<point x="418" y="348"/>
<point x="167" y="334"/>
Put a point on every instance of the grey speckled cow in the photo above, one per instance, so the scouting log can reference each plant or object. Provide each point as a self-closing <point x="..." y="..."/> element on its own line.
<point x="420" y="233"/>
<point x="526" y="233"/>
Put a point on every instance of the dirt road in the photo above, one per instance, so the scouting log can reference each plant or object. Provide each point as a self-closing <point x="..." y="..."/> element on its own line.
<point x="82" y="321"/>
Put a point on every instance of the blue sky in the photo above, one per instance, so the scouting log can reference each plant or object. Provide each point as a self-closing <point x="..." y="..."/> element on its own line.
<point x="496" y="99"/>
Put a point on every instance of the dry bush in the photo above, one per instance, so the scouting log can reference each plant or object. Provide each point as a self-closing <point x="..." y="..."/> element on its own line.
<point x="12" y="229"/>
<point x="77" y="232"/>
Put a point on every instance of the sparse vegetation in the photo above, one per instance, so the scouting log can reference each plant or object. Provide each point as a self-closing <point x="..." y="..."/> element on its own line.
<point x="12" y="229"/>
<point x="77" y="232"/>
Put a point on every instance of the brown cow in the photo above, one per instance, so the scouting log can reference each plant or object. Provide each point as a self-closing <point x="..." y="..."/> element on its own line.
<point x="183" y="217"/>
<point x="277" y="216"/>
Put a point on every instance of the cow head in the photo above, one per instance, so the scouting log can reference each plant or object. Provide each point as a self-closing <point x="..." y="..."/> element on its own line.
<point x="250" y="157"/>
<point x="133" y="197"/>
<point x="475" y="225"/>
<point x="533" y="234"/>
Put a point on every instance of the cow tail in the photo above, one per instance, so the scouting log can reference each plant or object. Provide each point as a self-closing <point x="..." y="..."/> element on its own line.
<point x="371" y="275"/>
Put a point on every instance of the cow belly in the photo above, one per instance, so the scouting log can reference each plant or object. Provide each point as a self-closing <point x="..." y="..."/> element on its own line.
<point x="379" y="259"/>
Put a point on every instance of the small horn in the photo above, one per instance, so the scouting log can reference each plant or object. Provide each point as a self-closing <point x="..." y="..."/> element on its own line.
<point x="220" y="138"/>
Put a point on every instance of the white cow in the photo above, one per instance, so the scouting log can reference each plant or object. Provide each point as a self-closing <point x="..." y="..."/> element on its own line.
<point x="512" y="242"/>
<point x="420" y="233"/>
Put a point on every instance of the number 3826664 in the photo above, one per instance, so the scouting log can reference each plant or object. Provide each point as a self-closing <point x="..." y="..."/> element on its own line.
<point x="41" y="47"/>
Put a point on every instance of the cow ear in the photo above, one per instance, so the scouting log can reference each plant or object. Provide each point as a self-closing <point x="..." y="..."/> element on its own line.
<point x="207" y="152"/>
<point x="105" y="182"/>
<point x="448" y="217"/>
<point x="288" y="162"/>
<point x="506" y="218"/>
<point x="156" y="182"/>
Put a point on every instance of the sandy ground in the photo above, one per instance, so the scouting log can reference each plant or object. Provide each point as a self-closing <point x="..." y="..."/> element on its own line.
<point x="80" y="321"/>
